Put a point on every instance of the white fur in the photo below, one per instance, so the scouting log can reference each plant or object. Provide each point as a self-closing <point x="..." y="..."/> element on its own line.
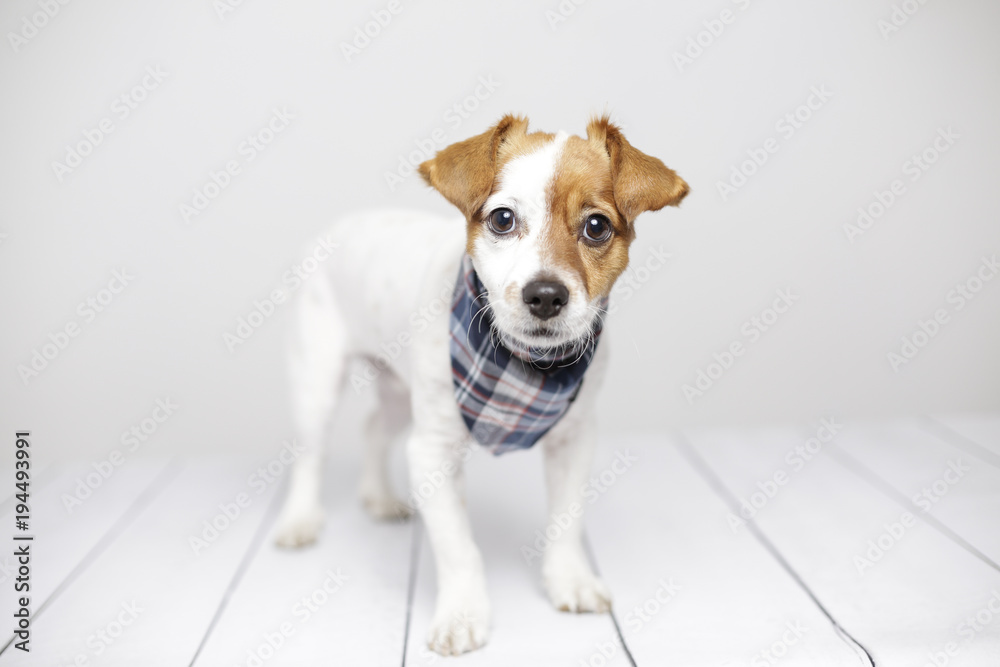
<point x="517" y="260"/>
<point x="392" y="268"/>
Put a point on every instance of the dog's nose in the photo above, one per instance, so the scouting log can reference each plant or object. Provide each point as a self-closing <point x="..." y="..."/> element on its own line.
<point x="545" y="297"/>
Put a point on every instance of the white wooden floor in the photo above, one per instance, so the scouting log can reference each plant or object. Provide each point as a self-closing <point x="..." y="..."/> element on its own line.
<point x="692" y="585"/>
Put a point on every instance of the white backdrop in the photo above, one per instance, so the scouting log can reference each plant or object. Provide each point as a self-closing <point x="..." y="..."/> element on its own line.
<point x="784" y="117"/>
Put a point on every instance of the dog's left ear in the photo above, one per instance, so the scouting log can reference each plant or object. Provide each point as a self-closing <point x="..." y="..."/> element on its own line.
<point x="640" y="181"/>
<point x="464" y="172"/>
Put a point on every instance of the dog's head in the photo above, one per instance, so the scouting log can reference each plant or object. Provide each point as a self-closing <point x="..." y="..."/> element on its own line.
<point x="550" y="220"/>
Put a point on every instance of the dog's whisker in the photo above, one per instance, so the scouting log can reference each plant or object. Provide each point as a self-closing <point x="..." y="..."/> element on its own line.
<point x="472" y="321"/>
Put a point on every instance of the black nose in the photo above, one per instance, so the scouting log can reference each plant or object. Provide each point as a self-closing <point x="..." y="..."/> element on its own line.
<point x="545" y="298"/>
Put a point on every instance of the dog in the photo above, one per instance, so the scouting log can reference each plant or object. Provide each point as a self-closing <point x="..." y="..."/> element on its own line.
<point x="495" y="338"/>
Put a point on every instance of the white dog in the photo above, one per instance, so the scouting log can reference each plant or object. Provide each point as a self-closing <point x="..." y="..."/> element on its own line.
<point x="491" y="330"/>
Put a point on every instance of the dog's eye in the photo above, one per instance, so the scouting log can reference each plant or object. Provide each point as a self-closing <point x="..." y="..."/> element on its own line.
<point x="597" y="228"/>
<point x="502" y="221"/>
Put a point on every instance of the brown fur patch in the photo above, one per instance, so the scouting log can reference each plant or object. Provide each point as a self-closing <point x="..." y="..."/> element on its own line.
<point x="466" y="172"/>
<point x="512" y="293"/>
<point x="603" y="174"/>
<point x="519" y="145"/>
<point x="641" y="182"/>
<point x="583" y="186"/>
<point x="515" y="145"/>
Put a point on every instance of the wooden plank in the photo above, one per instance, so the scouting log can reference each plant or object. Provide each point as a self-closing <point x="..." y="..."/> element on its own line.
<point x="343" y="599"/>
<point x="659" y="523"/>
<point x="64" y="538"/>
<point x="905" y="600"/>
<point x="506" y="498"/>
<point x="658" y="526"/>
<point x="927" y="474"/>
<point x="979" y="435"/>
<point x="151" y="591"/>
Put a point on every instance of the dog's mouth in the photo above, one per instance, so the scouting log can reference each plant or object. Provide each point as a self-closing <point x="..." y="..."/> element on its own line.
<point x="542" y="340"/>
<point x="520" y="331"/>
<point x="541" y="332"/>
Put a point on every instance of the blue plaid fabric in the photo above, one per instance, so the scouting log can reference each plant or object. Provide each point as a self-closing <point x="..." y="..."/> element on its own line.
<point x="508" y="398"/>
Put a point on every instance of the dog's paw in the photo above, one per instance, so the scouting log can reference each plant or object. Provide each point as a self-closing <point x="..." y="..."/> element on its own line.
<point x="299" y="528"/>
<point x="580" y="593"/>
<point x="458" y="627"/>
<point x="383" y="507"/>
<point x="571" y="582"/>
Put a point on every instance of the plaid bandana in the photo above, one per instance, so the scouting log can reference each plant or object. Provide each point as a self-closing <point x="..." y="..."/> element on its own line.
<point x="509" y="396"/>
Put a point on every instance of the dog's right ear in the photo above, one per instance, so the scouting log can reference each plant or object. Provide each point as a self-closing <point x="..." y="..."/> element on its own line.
<point x="464" y="172"/>
<point x="641" y="182"/>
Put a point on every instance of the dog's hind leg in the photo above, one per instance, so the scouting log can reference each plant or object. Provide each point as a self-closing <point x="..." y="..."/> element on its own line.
<point x="385" y="423"/>
<point x="318" y="361"/>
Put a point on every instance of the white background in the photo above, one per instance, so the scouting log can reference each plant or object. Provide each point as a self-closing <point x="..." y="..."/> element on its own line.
<point x="784" y="229"/>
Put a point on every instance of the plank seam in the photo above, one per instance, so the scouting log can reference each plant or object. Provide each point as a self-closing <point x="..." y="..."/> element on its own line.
<point x="252" y="548"/>
<point x="135" y="509"/>
<point x="611" y="612"/>
<point x="959" y="441"/>
<point x="411" y="585"/>
<point x="887" y="489"/>
<point x="734" y="506"/>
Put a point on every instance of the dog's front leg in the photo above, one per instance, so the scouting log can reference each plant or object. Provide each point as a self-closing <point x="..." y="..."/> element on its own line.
<point x="569" y="579"/>
<point x="462" y="613"/>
